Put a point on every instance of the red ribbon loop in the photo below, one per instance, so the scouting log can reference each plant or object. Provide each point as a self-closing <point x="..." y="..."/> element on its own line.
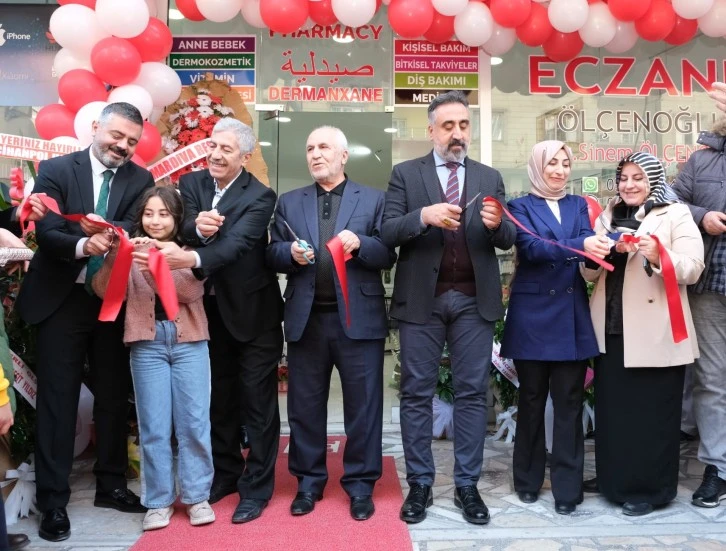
<point x="164" y="282"/>
<point x="673" y="296"/>
<point x="335" y="246"/>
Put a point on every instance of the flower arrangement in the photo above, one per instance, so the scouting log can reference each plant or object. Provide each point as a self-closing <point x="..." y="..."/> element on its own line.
<point x="193" y="122"/>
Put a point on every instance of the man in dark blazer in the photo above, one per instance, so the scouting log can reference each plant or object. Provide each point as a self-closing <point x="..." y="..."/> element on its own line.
<point x="317" y="333"/>
<point x="226" y="214"/>
<point x="101" y="183"/>
<point x="447" y="289"/>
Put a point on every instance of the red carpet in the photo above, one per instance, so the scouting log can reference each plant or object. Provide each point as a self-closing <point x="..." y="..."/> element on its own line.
<point x="328" y="528"/>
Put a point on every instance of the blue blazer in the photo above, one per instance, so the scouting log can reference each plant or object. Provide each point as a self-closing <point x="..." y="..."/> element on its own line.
<point x="361" y="211"/>
<point x="548" y="318"/>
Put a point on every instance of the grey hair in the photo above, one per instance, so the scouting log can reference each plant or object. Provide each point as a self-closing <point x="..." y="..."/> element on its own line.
<point x="453" y="96"/>
<point x="123" y="110"/>
<point x="341" y="140"/>
<point x="246" y="138"/>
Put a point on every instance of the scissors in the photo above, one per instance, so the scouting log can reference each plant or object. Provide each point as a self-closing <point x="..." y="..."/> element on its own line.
<point x="470" y="203"/>
<point x="301" y="242"/>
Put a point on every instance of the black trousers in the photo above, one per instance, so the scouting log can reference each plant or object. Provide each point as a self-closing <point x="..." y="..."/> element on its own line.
<point x="565" y="381"/>
<point x="65" y="339"/>
<point x="244" y="378"/>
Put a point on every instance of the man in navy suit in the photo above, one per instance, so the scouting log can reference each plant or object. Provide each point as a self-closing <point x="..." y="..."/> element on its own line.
<point x="316" y="329"/>
<point x="99" y="182"/>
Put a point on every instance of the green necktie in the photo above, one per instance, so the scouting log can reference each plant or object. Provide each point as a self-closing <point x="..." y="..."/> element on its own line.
<point x="95" y="262"/>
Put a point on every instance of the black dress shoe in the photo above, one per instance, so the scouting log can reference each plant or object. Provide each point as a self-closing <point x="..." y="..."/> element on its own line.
<point x="219" y="491"/>
<point x="590" y="486"/>
<point x="17" y="541"/>
<point x="564" y="508"/>
<point x="248" y="509"/>
<point x="472" y="507"/>
<point x="121" y="499"/>
<point x="54" y="525"/>
<point x="418" y="499"/>
<point x="637" y="509"/>
<point x="304" y="503"/>
<point x="361" y="507"/>
<point x="527" y="497"/>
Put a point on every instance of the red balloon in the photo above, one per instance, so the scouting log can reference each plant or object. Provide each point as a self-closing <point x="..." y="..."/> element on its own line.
<point x="593" y="209"/>
<point x="321" y="11"/>
<point x="154" y="44"/>
<point x="90" y="3"/>
<point x="511" y="13"/>
<point x="284" y="16"/>
<point x="658" y="21"/>
<point x="150" y="142"/>
<point x="562" y="46"/>
<point x="628" y="10"/>
<point x="410" y="18"/>
<point x="115" y="61"/>
<point x="537" y="28"/>
<point x="138" y="160"/>
<point x="189" y="9"/>
<point x="78" y="87"/>
<point x="55" y="120"/>
<point x="441" y="29"/>
<point x="683" y="31"/>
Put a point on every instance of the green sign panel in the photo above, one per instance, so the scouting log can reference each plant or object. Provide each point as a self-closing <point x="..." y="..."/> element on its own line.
<point x="212" y="61"/>
<point x="448" y="81"/>
<point x="589" y="184"/>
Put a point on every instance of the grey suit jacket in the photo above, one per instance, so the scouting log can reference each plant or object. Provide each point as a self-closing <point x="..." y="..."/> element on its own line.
<point x="414" y="184"/>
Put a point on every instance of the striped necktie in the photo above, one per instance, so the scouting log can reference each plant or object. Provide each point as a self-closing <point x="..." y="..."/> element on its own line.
<point x="94" y="263"/>
<point x="452" y="185"/>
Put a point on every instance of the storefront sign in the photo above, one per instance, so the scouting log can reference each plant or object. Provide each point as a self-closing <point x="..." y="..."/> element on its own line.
<point x="423" y="70"/>
<point x="229" y="58"/>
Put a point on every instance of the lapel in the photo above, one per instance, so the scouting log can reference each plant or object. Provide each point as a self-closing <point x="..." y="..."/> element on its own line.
<point x="430" y="179"/>
<point x="544" y="213"/>
<point x="351" y="193"/>
<point x="84" y="179"/>
<point x="569" y="214"/>
<point x="207" y="191"/>
<point x="472" y="186"/>
<point x="310" y="212"/>
<point x="231" y="197"/>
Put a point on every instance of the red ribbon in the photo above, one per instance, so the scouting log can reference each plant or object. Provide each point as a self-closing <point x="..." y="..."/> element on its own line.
<point x="335" y="246"/>
<point x="673" y="296"/>
<point x="119" y="280"/>
<point x="522" y="227"/>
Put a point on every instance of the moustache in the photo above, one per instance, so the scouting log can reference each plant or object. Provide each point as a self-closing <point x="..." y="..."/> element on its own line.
<point x="460" y="143"/>
<point x="118" y="151"/>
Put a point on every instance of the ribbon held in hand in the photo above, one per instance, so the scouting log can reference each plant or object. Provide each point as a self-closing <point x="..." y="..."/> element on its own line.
<point x="165" y="287"/>
<point x="335" y="246"/>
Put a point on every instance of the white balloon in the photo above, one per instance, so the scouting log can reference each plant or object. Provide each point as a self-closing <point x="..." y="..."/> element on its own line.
<point x="161" y="81"/>
<point x="83" y="123"/>
<point x="600" y="27"/>
<point x="66" y="60"/>
<point x="156" y="114"/>
<point x="30" y="184"/>
<point x="219" y="11"/>
<point x="568" y="16"/>
<point x="123" y="18"/>
<point x="66" y="24"/>
<point x="714" y="22"/>
<point x="501" y="41"/>
<point x="354" y="13"/>
<point x="450" y="7"/>
<point x="475" y="25"/>
<point x="134" y="94"/>
<point x="625" y="38"/>
<point x="84" y="418"/>
<point x="692" y="9"/>
<point x="251" y="13"/>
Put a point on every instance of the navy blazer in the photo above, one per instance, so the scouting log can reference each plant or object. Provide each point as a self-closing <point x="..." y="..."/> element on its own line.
<point x="361" y="212"/>
<point x="548" y="318"/>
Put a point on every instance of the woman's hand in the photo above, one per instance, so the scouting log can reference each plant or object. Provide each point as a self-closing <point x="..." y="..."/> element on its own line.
<point x="624" y="247"/>
<point x="648" y="247"/>
<point x="597" y="245"/>
<point x="140" y="241"/>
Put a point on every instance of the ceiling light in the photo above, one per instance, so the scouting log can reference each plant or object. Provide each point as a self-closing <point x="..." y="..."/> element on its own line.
<point x="284" y="119"/>
<point x="497" y="61"/>
<point x="359" y="150"/>
<point x="265" y="144"/>
<point x="343" y="39"/>
<point x="175" y="14"/>
<point x="391" y="130"/>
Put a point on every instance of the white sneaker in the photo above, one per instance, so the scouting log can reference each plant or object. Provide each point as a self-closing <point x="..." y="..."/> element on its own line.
<point x="157" y="518"/>
<point x="200" y="513"/>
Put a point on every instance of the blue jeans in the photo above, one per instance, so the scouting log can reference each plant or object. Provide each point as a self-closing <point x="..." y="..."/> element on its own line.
<point x="172" y="386"/>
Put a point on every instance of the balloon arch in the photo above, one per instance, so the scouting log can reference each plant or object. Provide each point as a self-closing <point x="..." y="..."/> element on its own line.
<point x="120" y="54"/>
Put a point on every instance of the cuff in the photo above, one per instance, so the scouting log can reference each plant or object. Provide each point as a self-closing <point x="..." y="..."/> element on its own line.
<point x="197" y="260"/>
<point x="79" y="248"/>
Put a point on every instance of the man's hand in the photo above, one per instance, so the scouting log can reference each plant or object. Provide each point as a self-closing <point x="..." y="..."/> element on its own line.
<point x="714" y="222"/>
<point x="491" y="215"/>
<point x="648" y="247"/>
<point x="350" y="241"/>
<point x="299" y="254"/>
<point x="99" y="243"/>
<point x="88" y="226"/>
<point x="7" y="239"/>
<point x="209" y="222"/>
<point x="442" y="215"/>
<point x="39" y="210"/>
<point x="6" y="418"/>
<point x="718" y="94"/>
<point x="176" y="257"/>
<point x="597" y="245"/>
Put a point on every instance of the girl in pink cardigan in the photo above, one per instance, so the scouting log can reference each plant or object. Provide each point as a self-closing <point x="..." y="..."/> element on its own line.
<point x="170" y="368"/>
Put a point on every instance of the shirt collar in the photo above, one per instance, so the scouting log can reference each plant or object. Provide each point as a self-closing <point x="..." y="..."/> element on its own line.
<point x="221" y="191"/>
<point x="338" y="190"/>
<point x="438" y="161"/>
<point x="97" y="167"/>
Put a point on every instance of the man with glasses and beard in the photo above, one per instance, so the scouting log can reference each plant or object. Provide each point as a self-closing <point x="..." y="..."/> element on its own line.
<point x="56" y="296"/>
<point x="447" y="290"/>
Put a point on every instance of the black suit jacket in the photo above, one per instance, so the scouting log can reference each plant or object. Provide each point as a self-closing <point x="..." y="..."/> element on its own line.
<point x="54" y="268"/>
<point x="233" y="261"/>
<point x="415" y="184"/>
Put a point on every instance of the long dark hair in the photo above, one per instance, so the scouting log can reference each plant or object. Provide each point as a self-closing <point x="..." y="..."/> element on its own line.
<point x="173" y="203"/>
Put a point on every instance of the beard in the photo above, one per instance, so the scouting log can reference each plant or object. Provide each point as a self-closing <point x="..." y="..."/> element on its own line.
<point x="449" y="155"/>
<point x="103" y="154"/>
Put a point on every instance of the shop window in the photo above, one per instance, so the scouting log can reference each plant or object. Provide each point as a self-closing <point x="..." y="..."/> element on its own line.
<point x="498" y="122"/>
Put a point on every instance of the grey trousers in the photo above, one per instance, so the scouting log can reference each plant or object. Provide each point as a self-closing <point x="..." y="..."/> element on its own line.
<point x="709" y="378"/>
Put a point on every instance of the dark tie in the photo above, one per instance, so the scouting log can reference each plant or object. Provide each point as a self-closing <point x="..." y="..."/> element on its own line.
<point x="95" y="262"/>
<point x="452" y="185"/>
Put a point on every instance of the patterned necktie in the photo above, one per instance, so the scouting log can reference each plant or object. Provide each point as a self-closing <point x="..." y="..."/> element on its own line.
<point x="452" y="185"/>
<point x="95" y="262"/>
